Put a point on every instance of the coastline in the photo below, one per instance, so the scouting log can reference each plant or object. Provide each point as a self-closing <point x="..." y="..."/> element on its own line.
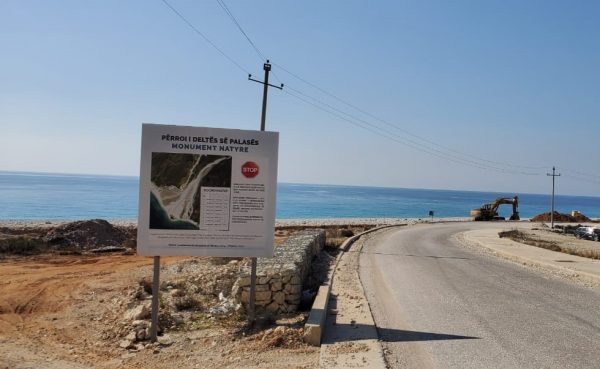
<point x="317" y="222"/>
<point x="42" y="224"/>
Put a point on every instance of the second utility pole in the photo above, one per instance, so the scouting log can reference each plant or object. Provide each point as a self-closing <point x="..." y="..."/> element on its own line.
<point x="553" y="175"/>
<point x="266" y="84"/>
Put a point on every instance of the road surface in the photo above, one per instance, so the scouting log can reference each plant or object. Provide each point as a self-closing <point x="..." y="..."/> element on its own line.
<point x="438" y="304"/>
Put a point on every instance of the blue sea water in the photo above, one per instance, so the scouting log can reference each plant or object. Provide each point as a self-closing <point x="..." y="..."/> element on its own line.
<point x="68" y="197"/>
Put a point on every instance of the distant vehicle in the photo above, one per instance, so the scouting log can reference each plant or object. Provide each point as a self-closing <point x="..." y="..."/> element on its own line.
<point x="587" y="233"/>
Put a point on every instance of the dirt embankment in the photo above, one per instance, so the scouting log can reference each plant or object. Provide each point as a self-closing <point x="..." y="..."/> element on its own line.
<point x="560" y="217"/>
<point x="74" y="237"/>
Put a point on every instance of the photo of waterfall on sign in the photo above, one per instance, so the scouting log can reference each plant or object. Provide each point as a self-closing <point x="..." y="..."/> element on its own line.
<point x="190" y="191"/>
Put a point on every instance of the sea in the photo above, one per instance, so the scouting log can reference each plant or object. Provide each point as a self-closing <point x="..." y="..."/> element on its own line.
<point x="45" y="196"/>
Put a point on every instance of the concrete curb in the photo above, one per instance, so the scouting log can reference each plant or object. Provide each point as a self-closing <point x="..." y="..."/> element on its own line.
<point x="581" y="274"/>
<point x="313" y="328"/>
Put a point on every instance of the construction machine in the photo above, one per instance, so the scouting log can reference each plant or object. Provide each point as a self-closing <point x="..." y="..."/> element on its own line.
<point x="490" y="211"/>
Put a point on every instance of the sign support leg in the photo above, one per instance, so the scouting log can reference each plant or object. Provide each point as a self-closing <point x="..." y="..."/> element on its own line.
<point x="252" y="302"/>
<point x="155" y="292"/>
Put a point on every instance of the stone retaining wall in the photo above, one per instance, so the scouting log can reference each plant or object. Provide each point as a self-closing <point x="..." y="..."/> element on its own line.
<point x="280" y="278"/>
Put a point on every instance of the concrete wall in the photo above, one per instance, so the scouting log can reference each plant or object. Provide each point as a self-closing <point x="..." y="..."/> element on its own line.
<point x="280" y="279"/>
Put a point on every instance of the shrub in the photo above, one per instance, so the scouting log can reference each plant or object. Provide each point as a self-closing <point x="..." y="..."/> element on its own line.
<point x="187" y="303"/>
<point x="22" y="245"/>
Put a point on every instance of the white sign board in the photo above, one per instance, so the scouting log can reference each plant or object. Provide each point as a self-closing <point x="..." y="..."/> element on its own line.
<point x="207" y="191"/>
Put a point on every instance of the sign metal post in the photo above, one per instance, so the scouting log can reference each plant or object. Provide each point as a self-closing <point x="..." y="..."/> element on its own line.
<point x="155" y="292"/>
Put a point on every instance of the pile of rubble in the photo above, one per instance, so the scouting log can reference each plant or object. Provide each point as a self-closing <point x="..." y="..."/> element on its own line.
<point x="87" y="234"/>
<point x="560" y="217"/>
<point x="96" y="235"/>
<point x="199" y="297"/>
<point x="281" y="336"/>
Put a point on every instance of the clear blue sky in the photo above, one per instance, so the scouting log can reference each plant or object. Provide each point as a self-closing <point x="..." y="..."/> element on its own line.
<point x="514" y="82"/>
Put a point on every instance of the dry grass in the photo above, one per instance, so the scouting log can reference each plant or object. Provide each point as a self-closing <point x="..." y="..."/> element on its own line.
<point x="22" y="245"/>
<point x="528" y="239"/>
<point x="334" y="242"/>
<point x="335" y="237"/>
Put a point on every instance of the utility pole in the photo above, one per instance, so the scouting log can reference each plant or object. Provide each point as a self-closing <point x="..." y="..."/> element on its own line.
<point x="266" y="84"/>
<point x="553" y="175"/>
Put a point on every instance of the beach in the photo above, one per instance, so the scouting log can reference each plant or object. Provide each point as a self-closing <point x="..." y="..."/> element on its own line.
<point x="46" y="224"/>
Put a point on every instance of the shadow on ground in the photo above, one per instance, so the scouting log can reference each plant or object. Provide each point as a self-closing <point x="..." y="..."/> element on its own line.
<point x="399" y="335"/>
<point x="356" y="332"/>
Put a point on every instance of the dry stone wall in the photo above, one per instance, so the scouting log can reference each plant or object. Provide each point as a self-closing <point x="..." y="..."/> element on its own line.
<point x="280" y="278"/>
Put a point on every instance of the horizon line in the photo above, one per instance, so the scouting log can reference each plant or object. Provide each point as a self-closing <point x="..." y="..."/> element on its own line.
<point x="25" y="172"/>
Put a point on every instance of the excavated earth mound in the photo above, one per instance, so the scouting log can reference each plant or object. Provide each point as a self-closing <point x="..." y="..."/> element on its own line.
<point x="559" y="217"/>
<point x="87" y="234"/>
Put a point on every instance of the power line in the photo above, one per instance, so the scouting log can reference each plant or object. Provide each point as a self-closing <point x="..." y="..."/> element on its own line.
<point x="347" y="117"/>
<point x="232" y="17"/>
<point x="234" y="20"/>
<point x="580" y="174"/>
<point x="409" y="142"/>
<point x="395" y="138"/>
<point x="583" y="179"/>
<point x="227" y="11"/>
<point x="204" y="37"/>
<point x="396" y="126"/>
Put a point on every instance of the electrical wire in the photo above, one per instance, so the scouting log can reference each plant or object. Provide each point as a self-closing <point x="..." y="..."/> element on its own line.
<point x="462" y="158"/>
<point x="232" y="17"/>
<point x="378" y="131"/>
<point x="400" y="128"/>
<point x="410" y="142"/>
<point x="184" y="19"/>
<point x="235" y="21"/>
<point x="583" y="179"/>
<point x="580" y="174"/>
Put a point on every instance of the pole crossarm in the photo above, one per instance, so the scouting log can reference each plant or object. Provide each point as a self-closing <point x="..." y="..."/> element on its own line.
<point x="262" y="83"/>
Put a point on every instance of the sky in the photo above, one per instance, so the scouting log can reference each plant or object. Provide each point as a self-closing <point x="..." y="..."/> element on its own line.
<point x="465" y="95"/>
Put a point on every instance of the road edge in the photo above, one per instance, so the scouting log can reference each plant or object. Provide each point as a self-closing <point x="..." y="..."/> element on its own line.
<point x="471" y="238"/>
<point x="314" y="326"/>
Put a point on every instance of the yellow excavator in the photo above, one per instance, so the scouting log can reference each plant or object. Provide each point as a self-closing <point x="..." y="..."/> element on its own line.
<point x="490" y="211"/>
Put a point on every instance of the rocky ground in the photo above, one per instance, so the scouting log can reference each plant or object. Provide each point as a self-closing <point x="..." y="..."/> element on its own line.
<point x="79" y="309"/>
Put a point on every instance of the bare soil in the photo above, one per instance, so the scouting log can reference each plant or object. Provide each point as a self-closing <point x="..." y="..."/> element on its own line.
<point x="67" y="311"/>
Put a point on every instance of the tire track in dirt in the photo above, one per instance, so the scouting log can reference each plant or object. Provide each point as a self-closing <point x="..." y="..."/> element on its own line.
<point x="45" y="284"/>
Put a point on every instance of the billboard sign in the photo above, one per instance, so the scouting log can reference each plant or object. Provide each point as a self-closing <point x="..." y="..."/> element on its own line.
<point x="207" y="191"/>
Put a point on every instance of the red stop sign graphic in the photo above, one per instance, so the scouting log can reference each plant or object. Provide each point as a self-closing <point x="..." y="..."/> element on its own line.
<point x="250" y="169"/>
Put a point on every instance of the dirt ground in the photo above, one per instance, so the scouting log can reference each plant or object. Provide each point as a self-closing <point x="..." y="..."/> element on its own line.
<point x="63" y="312"/>
<point x="67" y="311"/>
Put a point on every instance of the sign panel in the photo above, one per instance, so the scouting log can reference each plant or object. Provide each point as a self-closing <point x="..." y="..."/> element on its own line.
<point x="207" y="191"/>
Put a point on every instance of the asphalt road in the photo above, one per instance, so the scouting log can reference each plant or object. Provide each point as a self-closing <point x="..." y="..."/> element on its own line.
<point x="440" y="305"/>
